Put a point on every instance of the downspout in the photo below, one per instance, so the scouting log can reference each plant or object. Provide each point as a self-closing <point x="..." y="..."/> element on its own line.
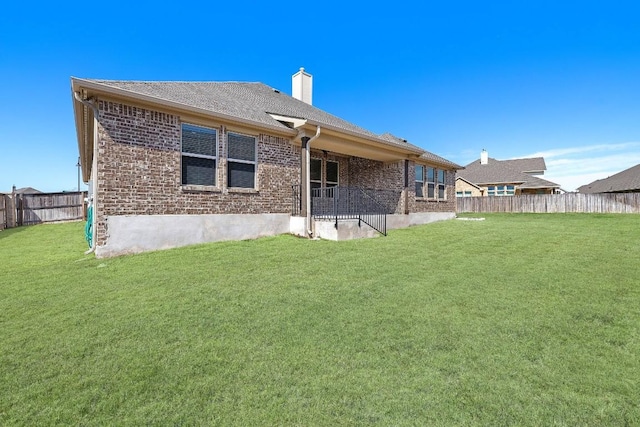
<point x="90" y="104"/>
<point x="86" y="102"/>
<point x="308" y="183"/>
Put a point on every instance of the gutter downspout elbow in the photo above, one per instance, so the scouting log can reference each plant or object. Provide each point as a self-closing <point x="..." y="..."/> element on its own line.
<point x="86" y="102"/>
<point x="308" y="183"/>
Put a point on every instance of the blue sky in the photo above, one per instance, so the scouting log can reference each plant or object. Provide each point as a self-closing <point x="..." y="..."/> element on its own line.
<point x="557" y="79"/>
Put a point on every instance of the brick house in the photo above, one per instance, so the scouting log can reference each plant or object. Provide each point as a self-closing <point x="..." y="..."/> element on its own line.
<point x="178" y="163"/>
<point x="490" y="177"/>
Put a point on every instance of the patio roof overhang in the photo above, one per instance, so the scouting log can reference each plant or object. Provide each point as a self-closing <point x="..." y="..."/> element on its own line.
<point x="348" y="143"/>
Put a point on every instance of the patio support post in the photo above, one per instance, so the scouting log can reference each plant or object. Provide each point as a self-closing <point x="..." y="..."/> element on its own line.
<point x="305" y="184"/>
<point x="304" y="178"/>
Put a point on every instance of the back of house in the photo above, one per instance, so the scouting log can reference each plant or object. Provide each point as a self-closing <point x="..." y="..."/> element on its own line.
<point x="177" y="163"/>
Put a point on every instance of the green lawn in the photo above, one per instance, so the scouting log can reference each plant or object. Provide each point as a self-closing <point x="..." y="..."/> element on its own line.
<point x="516" y="320"/>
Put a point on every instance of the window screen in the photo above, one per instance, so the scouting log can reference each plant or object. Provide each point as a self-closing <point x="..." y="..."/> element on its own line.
<point x="199" y="149"/>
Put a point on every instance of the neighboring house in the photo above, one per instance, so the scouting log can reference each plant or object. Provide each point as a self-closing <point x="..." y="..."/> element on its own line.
<point x="491" y="177"/>
<point x="26" y="190"/>
<point x="177" y="163"/>
<point x="627" y="181"/>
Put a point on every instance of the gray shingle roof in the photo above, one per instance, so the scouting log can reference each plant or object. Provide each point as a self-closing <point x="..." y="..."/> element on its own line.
<point x="503" y="172"/>
<point x="28" y="190"/>
<point x="248" y="101"/>
<point x="428" y="156"/>
<point x="627" y="180"/>
<point x="535" y="182"/>
<point x="528" y="165"/>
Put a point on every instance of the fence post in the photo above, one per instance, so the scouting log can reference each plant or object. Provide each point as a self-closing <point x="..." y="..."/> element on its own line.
<point x="20" y="209"/>
<point x="3" y="211"/>
<point x="14" y="207"/>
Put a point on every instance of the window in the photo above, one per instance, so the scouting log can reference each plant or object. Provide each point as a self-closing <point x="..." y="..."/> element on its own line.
<point x="241" y="160"/>
<point x="465" y="193"/>
<point x="433" y="179"/>
<point x="501" y="190"/>
<point x="419" y="181"/>
<point x="332" y="174"/>
<point x="315" y="173"/>
<point x="441" y="192"/>
<point x="431" y="185"/>
<point x="199" y="155"/>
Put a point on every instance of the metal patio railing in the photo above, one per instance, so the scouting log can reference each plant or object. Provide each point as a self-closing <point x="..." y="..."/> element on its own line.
<point x="296" y="202"/>
<point x="368" y="206"/>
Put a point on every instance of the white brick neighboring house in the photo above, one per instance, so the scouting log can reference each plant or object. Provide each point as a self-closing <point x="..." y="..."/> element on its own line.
<point x="177" y="163"/>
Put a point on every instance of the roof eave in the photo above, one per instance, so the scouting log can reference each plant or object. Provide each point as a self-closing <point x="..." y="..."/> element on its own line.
<point x="500" y="183"/>
<point x="539" y="186"/>
<point x="84" y="118"/>
<point x="98" y="88"/>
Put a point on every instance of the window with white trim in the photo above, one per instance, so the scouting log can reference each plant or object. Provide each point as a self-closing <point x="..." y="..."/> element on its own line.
<point x="465" y="193"/>
<point x="199" y="155"/>
<point x="241" y="160"/>
<point x="501" y="190"/>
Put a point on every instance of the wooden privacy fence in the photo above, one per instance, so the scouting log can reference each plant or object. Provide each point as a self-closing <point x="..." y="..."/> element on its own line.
<point x="553" y="203"/>
<point x="28" y="209"/>
<point x="3" y="211"/>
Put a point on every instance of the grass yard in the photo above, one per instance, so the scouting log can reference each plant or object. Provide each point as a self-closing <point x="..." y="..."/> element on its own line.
<point x="516" y="320"/>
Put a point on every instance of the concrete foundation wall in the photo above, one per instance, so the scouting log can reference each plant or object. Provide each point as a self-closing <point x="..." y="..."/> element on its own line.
<point x="297" y="226"/>
<point x="417" y="218"/>
<point x="347" y="230"/>
<point x="127" y="234"/>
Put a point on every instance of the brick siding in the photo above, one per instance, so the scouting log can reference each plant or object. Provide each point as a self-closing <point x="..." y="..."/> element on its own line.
<point x="139" y="170"/>
<point x="426" y="205"/>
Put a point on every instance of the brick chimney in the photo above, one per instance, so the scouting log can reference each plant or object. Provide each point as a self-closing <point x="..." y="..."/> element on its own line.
<point x="301" y="86"/>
